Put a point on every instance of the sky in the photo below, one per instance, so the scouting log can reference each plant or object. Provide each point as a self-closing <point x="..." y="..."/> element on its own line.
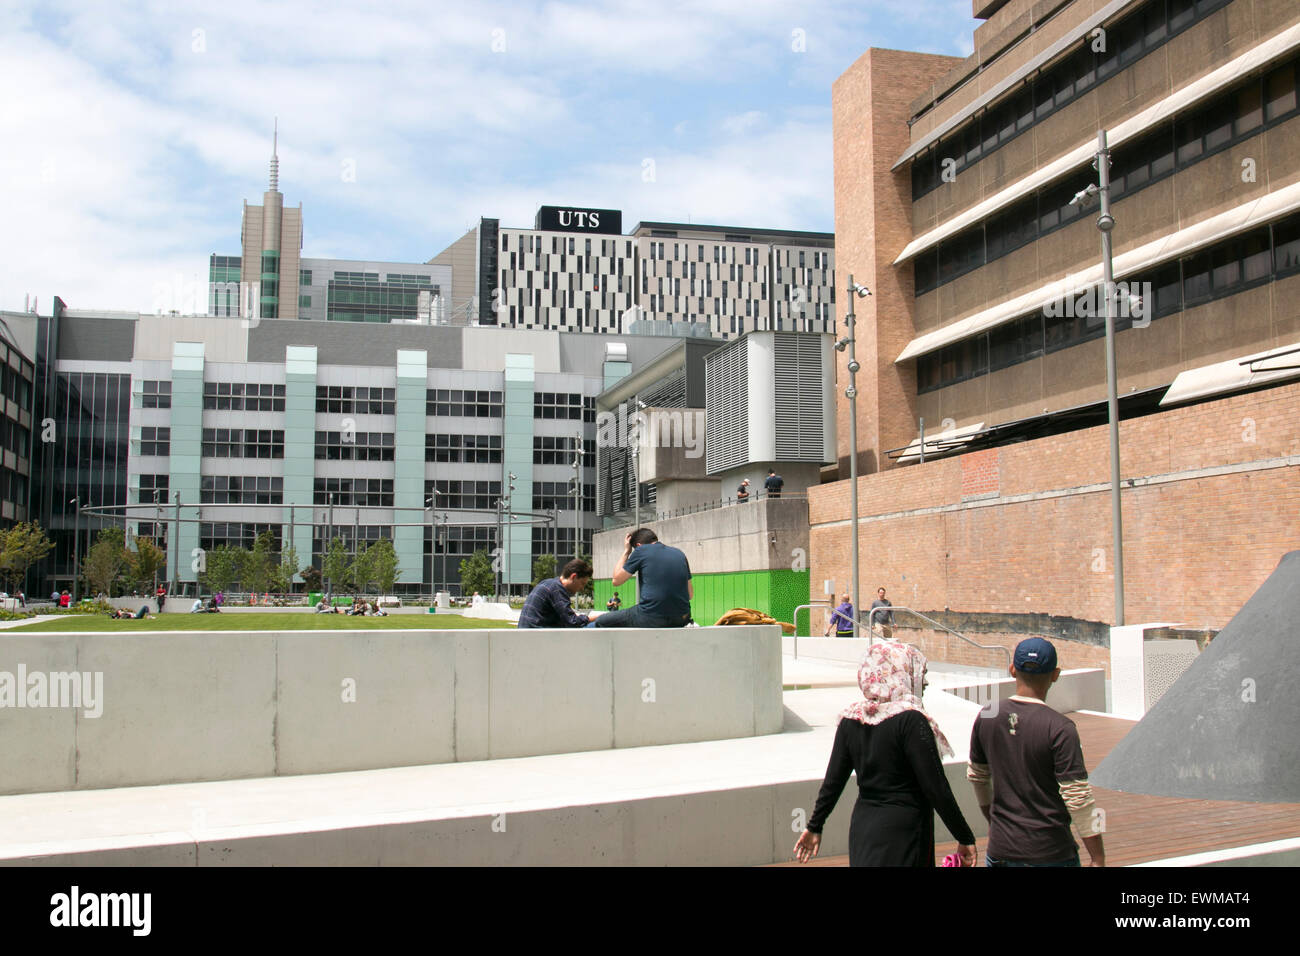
<point x="132" y="132"/>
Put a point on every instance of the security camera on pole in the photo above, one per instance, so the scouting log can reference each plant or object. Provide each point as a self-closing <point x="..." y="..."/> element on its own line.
<point x="849" y="341"/>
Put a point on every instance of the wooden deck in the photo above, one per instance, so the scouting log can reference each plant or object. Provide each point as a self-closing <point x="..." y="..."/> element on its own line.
<point x="1140" y="828"/>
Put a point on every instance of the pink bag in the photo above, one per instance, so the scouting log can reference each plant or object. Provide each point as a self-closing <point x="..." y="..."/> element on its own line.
<point x="952" y="859"/>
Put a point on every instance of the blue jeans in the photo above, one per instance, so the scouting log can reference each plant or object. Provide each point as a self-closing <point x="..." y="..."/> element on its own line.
<point x="990" y="861"/>
<point x="636" y="616"/>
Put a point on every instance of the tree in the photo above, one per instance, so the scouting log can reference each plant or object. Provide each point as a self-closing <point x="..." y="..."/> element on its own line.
<point x="590" y="589"/>
<point x="336" y="565"/>
<point x="476" y="573"/>
<point x="145" y="562"/>
<point x="20" y="547"/>
<point x="362" y="569"/>
<point x="311" y="578"/>
<point x="224" y="565"/>
<point x="282" y="573"/>
<point x="386" y="570"/>
<point x="260" y="563"/>
<point x="105" y="560"/>
<point x="543" y="568"/>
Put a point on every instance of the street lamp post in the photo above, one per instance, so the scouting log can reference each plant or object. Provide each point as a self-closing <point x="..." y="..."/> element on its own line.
<point x="1105" y="224"/>
<point x="76" y="544"/>
<point x="851" y="393"/>
<point x="433" y="542"/>
<point x="500" y="550"/>
<point x="577" y="494"/>
<point x="510" y="520"/>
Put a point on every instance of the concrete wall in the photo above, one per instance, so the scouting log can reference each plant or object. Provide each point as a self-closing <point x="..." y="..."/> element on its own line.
<point x="190" y="707"/>
<point x="730" y="538"/>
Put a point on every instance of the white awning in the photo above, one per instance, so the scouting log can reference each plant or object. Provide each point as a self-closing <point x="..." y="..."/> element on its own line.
<point x="948" y="442"/>
<point x="1206" y="86"/>
<point x="1243" y="217"/>
<point x="1222" y="378"/>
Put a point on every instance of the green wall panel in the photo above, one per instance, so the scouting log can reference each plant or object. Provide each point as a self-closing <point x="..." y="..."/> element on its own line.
<point x="776" y="592"/>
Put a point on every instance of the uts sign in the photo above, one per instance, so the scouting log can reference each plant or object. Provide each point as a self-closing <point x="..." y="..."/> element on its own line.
<point x="569" y="219"/>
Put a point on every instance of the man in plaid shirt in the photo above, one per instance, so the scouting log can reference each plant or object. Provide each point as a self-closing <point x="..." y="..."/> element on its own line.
<point x="549" y="603"/>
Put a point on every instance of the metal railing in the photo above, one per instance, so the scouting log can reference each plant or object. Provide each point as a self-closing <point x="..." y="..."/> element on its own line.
<point x="706" y="506"/>
<point x="794" y="619"/>
<point x="933" y="623"/>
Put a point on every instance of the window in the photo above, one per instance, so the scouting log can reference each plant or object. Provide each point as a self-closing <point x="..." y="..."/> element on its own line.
<point x="156" y="394"/>
<point x="155" y="441"/>
<point x="153" y="489"/>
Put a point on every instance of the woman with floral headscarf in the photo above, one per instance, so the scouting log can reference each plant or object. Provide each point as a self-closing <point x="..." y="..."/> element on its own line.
<point x="893" y="745"/>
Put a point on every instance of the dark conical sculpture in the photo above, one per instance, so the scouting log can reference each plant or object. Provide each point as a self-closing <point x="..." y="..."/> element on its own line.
<point x="1229" y="728"/>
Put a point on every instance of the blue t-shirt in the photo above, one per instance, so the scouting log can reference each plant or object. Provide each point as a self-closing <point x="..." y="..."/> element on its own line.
<point x="661" y="583"/>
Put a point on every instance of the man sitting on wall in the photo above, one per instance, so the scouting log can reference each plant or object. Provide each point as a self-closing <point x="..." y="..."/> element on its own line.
<point x="664" y="584"/>
<point x="550" y="603"/>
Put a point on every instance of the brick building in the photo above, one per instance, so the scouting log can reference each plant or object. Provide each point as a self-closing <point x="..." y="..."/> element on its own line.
<point x="953" y="207"/>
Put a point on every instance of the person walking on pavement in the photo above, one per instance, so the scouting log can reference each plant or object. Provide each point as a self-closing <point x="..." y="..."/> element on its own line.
<point x="882" y="622"/>
<point x="1027" y="769"/>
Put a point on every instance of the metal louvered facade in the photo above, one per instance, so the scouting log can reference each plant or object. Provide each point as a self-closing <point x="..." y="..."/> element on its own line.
<point x="726" y="396"/>
<point x="799" y="405"/>
<point x="769" y="398"/>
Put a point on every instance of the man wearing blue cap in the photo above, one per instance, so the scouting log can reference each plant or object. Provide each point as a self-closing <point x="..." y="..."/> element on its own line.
<point x="1026" y="765"/>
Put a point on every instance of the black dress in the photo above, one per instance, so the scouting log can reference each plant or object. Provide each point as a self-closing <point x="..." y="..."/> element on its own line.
<point x="901" y="785"/>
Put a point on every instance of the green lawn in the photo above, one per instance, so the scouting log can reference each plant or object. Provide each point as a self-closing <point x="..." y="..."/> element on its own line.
<point x="267" y="621"/>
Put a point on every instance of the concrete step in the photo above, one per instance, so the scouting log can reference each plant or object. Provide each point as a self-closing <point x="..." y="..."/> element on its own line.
<point x="727" y="802"/>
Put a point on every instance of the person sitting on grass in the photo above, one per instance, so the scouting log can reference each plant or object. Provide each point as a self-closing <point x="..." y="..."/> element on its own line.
<point x="197" y="606"/>
<point x="378" y="611"/>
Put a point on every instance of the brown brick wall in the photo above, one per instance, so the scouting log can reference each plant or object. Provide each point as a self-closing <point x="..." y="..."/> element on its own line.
<point x="1195" y="549"/>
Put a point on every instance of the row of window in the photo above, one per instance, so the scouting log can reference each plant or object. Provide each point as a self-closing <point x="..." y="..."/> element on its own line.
<point x="469" y="404"/>
<point x="355" y="446"/>
<point x="474" y="495"/>
<point x="243" y="396"/>
<point x="241" y="490"/>
<point x="558" y="450"/>
<point x="355" y="400"/>
<point x="354" y="492"/>
<point x="243" y="443"/>
<point x="558" y="496"/>
<point x="1259" y="256"/>
<point x="463" y="449"/>
<point x="1122" y="44"/>
<point x="1236" y="115"/>
<point x="533" y="243"/>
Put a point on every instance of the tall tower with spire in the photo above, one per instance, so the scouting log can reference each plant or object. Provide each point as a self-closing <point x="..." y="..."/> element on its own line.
<point x="272" y="246"/>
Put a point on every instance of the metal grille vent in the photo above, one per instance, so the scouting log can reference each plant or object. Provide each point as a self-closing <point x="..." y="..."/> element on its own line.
<point x="798" y="397"/>
<point x="726" y="395"/>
